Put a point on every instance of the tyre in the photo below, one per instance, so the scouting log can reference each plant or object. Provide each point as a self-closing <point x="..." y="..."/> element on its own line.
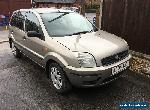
<point x="16" y="52"/>
<point x="58" y="78"/>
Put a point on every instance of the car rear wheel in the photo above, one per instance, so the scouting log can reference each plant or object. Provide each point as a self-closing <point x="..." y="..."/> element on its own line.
<point x="58" y="78"/>
<point x="16" y="52"/>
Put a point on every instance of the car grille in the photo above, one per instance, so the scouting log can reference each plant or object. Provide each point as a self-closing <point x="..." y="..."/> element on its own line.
<point x="114" y="58"/>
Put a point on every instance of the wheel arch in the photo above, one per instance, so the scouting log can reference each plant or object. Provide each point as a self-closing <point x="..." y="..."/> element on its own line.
<point x="54" y="58"/>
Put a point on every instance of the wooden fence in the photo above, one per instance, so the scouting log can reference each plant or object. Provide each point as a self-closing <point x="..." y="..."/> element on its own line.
<point x="129" y="19"/>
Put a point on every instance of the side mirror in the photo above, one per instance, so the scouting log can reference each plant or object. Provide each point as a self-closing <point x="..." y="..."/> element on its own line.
<point x="33" y="34"/>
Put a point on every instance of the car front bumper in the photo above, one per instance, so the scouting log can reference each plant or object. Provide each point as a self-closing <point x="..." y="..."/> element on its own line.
<point x="90" y="77"/>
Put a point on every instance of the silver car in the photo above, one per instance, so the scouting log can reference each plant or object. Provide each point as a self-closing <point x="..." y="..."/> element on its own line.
<point x="70" y="48"/>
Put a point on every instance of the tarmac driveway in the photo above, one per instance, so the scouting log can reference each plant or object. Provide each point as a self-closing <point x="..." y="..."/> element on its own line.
<point x="24" y="86"/>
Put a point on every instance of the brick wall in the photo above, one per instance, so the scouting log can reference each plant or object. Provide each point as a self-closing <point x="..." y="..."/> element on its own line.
<point x="8" y="6"/>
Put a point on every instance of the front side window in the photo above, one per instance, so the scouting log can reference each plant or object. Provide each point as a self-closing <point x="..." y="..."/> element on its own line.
<point x="32" y="23"/>
<point x="63" y="24"/>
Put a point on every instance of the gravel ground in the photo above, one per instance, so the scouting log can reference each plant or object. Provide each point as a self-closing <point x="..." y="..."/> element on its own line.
<point x="139" y="65"/>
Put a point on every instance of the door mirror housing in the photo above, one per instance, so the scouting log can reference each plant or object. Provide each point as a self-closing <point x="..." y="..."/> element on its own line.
<point x="33" y="34"/>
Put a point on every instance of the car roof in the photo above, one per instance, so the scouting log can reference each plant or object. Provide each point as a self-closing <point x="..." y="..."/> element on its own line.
<point x="46" y="10"/>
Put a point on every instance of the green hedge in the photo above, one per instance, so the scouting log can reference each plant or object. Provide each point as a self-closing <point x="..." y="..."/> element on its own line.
<point x="92" y="6"/>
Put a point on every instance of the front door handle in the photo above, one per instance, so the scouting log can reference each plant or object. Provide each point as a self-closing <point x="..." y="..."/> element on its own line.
<point x="24" y="37"/>
<point x="12" y="31"/>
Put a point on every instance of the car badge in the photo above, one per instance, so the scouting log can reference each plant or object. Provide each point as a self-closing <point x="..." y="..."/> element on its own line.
<point x="117" y="57"/>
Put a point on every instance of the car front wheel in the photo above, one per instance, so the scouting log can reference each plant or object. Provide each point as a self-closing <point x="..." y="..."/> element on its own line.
<point x="58" y="78"/>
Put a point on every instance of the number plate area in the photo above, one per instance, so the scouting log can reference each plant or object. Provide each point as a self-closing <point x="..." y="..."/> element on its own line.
<point x="121" y="67"/>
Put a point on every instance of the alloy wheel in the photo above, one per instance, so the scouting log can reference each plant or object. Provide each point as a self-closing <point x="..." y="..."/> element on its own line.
<point x="56" y="78"/>
<point x="14" y="50"/>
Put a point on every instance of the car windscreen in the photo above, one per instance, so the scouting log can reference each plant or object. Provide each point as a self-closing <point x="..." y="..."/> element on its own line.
<point x="66" y="24"/>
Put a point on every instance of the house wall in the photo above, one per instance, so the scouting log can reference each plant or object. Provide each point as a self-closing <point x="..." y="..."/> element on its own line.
<point x="59" y="5"/>
<point x="41" y="5"/>
<point x="8" y="6"/>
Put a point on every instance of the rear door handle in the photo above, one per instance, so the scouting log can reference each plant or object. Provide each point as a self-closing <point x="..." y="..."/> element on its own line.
<point x="24" y="37"/>
<point x="11" y="32"/>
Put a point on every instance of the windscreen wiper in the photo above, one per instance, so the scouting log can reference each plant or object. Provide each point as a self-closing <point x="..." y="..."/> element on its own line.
<point x="82" y="32"/>
<point x="59" y="17"/>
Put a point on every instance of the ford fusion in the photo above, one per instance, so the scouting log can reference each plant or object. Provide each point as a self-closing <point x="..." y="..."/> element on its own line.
<point x="70" y="48"/>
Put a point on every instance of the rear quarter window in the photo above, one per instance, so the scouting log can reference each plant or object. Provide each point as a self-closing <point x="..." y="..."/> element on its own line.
<point x="13" y="20"/>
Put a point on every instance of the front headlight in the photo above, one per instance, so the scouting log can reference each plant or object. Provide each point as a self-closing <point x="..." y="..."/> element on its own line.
<point x="85" y="60"/>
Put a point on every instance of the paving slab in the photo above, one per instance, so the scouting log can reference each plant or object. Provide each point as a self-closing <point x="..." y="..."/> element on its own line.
<point x="4" y="36"/>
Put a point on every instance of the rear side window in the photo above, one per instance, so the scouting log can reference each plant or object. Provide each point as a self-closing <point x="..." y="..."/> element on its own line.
<point x="18" y="19"/>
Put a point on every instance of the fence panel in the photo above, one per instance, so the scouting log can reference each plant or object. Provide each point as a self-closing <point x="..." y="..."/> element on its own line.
<point x="129" y="19"/>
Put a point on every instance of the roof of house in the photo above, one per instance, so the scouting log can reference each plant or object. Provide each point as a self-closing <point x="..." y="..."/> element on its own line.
<point x="56" y="1"/>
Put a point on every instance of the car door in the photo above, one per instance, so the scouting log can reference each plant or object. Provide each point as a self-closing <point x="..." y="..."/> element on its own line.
<point x="17" y="28"/>
<point x="34" y="45"/>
